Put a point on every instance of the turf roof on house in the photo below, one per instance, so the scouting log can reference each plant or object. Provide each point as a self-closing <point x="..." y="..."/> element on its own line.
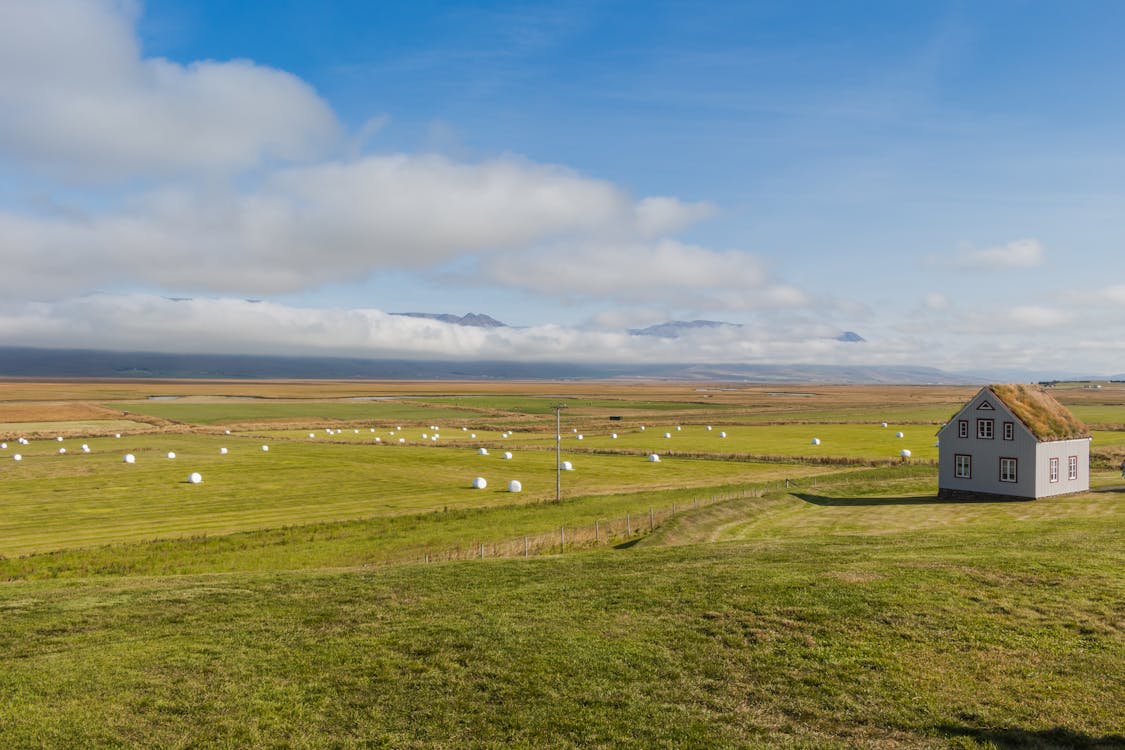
<point x="1040" y="412"/>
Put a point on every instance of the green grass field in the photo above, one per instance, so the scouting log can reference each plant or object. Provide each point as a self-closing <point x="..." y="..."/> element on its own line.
<point x="283" y="602"/>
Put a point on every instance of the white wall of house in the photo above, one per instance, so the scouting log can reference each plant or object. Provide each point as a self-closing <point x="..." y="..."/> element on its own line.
<point x="1063" y="451"/>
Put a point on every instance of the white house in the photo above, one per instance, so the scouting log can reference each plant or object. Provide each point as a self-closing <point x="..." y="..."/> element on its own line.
<point x="1013" y="442"/>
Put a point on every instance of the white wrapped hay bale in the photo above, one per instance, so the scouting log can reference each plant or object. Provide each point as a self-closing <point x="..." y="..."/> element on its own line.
<point x="515" y="486"/>
<point x="567" y="466"/>
<point x="482" y="452"/>
<point x="195" y="477"/>
<point x="816" y="441"/>
<point x="130" y="458"/>
<point x="507" y="455"/>
<point x="653" y="458"/>
<point x="479" y="483"/>
<point x="171" y="454"/>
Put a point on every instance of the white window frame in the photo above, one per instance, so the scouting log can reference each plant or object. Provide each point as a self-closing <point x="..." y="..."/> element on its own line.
<point x="1009" y="431"/>
<point x="986" y="429"/>
<point x="1053" y="470"/>
<point x="962" y="466"/>
<point x="1072" y="467"/>
<point x="962" y="428"/>
<point x="1009" y="469"/>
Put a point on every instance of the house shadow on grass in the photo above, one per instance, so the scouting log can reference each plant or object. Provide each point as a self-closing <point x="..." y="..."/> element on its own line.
<point x="1013" y="739"/>
<point x="903" y="500"/>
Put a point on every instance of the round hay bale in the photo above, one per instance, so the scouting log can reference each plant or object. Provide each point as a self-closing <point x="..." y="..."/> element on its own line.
<point x="579" y="437"/>
<point x="402" y="440"/>
<point x="667" y="434"/>
<point x="642" y="428"/>
<point x="884" y="425"/>
<point x="222" y="451"/>
<point x="905" y="453"/>
<point x="483" y="452"/>
<point x="130" y="458"/>
<point x="708" y="428"/>
<point x="171" y="454"/>
<point x="17" y="457"/>
<point x="816" y="441"/>
<point x="195" y="477"/>
<point x="59" y="438"/>
<point x="480" y="483"/>
<point x="3" y="446"/>
<point x="312" y="435"/>
<point x="613" y="436"/>
<point x="507" y="455"/>
<point x="117" y="436"/>
<point x="265" y="448"/>
<point x="515" y="486"/>
<point x="679" y="429"/>
<point x="62" y="451"/>
<point x="473" y="435"/>
<point x="567" y="466"/>
<point x="85" y="448"/>
<point x="899" y="435"/>
<point x="653" y="458"/>
<point x="722" y="434"/>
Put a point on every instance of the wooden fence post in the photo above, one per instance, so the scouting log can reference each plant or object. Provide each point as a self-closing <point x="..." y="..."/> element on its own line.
<point x="597" y="534"/>
<point x="525" y="545"/>
<point x="562" y="538"/>
<point x="482" y="550"/>
<point x="628" y="526"/>
<point x="650" y="519"/>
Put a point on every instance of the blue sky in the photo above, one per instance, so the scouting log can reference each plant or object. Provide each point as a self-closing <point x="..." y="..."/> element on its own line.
<point x="944" y="178"/>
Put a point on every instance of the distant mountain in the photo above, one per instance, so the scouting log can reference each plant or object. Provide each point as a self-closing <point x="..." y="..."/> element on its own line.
<point x="850" y="337"/>
<point x="24" y="362"/>
<point x="673" y="329"/>
<point x="475" y="320"/>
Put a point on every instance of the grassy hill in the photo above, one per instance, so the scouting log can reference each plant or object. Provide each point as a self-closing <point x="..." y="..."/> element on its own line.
<point x="709" y="600"/>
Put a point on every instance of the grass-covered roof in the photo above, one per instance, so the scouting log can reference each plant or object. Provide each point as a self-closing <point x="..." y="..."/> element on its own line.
<point x="1040" y="412"/>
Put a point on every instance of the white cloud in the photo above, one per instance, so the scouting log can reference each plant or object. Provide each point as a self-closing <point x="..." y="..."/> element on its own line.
<point x="235" y="326"/>
<point x="1026" y="253"/>
<point x="666" y="272"/>
<point x="306" y="226"/>
<point x="1112" y="294"/>
<point x="150" y="323"/>
<point x="935" y="301"/>
<point x="1035" y="316"/>
<point x="660" y="216"/>
<point x="79" y="99"/>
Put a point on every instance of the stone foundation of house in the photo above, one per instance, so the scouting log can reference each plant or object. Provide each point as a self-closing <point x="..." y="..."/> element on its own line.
<point x="945" y="493"/>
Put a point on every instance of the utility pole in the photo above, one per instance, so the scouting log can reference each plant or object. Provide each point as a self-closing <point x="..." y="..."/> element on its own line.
<point x="558" y="450"/>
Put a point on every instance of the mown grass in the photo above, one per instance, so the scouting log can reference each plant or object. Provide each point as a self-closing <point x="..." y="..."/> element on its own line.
<point x="233" y="411"/>
<point x="50" y="501"/>
<point x="983" y="633"/>
<point x="867" y="441"/>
